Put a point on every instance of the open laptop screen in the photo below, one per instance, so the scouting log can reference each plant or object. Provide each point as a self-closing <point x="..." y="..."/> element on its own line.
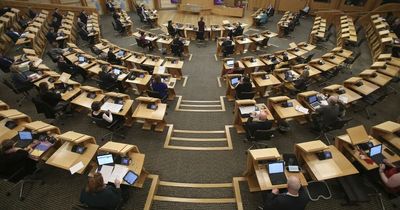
<point x="375" y="150"/>
<point x="105" y="159"/>
<point x="312" y="99"/>
<point x="25" y="135"/>
<point x="274" y="168"/>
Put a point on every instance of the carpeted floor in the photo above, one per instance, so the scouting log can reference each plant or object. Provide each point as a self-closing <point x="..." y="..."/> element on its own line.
<point x="61" y="190"/>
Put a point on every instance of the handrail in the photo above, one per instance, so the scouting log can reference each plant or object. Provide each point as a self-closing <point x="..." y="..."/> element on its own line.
<point x="24" y="5"/>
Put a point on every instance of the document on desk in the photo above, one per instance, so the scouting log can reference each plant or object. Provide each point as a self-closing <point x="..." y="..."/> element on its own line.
<point x="75" y="168"/>
<point x="106" y="172"/>
<point x="301" y="109"/>
<point x="115" y="108"/>
<point x="161" y="69"/>
<point x="118" y="173"/>
<point x="122" y="76"/>
<point x="343" y="98"/>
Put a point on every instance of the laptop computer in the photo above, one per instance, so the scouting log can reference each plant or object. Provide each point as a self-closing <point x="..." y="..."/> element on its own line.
<point x="276" y="173"/>
<point x="106" y="159"/>
<point x="375" y="153"/>
<point x="235" y="81"/>
<point x="313" y="101"/>
<point x="230" y="63"/>
<point x="81" y="59"/>
<point x="25" y="138"/>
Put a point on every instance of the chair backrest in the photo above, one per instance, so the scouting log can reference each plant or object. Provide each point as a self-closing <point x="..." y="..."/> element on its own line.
<point x="153" y="94"/>
<point x="246" y="95"/>
<point x="99" y="122"/>
<point x="309" y="57"/>
<point x="139" y="43"/>
<point x="340" y="123"/>
<point x="42" y="107"/>
<point x="229" y="49"/>
<point x="264" y="131"/>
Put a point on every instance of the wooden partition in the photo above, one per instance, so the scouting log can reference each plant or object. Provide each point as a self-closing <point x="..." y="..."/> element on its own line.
<point x="255" y="4"/>
<point x="319" y="5"/>
<point x="290" y="5"/>
<point x="23" y="6"/>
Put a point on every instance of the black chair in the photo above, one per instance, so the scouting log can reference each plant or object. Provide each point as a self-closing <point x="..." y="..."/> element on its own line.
<point x="24" y="91"/>
<point x="118" y="28"/>
<point x="308" y="58"/>
<point x="354" y="188"/>
<point x="245" y="95"/>
<point x="228" y="50"/>
<point x="156" y="94"/>
<point x="326" y="127"/>
<point x="141" y="44"/>
<point x="115" y="127"/>
<point x="52" y="58"/>
<point x="177" y="50"/>
<point x="348" y="64"/>
<point x="49" y="111"/>
<point x="260" y="136"/>
<point x="21" y="183"/>
<point x="110" y="87"/>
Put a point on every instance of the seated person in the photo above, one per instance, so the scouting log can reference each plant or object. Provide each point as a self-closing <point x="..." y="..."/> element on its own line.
<point x="51" y="35"/>
<point x="159" y="86"/>
<point x="116" y="16"/>
<point x="109" y="79"/>
<point x="327" y="115"/>
<point x="390" y="176"/>
<point x="144" y="42"/>
<point x="5" y="63"/>
<point x="72" y="69"/>
<point x="21" y="81"/>
<point x="171" y="29"/>
<point x="226" y="46"/>
<point x="304" y="11"/>
<point x="57" y="16"/>
<point x="52" y="98"/>
<point x="112" y="58"/>
<point x="243" y="86"/>
<point x="270" y="11"/>
<point x="238" y="31"/>
<point x="257" y="121"/>
<point x="294" y="199"/>
<point x="177" y="46"/>
<point x="14" y="35"/>
<point x="24" y="22"/>
<point x="83" y="17"/>
<point x="14" y="158"/>
<point x="97" y="113"/>
<point x="32" y="14"/>
<point x="100" y="196"/>
<point x="110" y="6"/>
<point x="300" y="83"/>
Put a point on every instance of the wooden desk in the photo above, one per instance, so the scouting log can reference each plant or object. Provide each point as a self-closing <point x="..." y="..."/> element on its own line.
<point x="226" y="67"/>
<point x="334" y="59"/>
<point x="153" y="62"/>
<point x="350" y="95"/>
<point x="239" y="121"/>
<point x="274" y="104"/>
<point x="141" y="82"/>
<point x="324" y="66"/>
<point x="386" y="131"/>
<point x="321" y="170"/>
<point x="257" y="174"/>
<point x="135" y="60"/>
<point x="85" y="102"/>
<point x="126" y="110"/>
<point x="280" y="74"/>
<point x="131" y="151"/>
<point x="175" y="69"/>
<point x="313" y="72"/>
<point x="344" y="144"/>
<point x="365" y="89"/>
<point x="342" y="52"/>
<point x="379" y="78"/>
<point x="6" y="133"/>
<point x="3" y="105"/>
<point x="306" y="46"/>
<point x="251" y="66"/>
<point x="263" y="81"/>
<point x="303" y="99"/>
<point x="240" y="44"/>
<point x="150" y="116"/>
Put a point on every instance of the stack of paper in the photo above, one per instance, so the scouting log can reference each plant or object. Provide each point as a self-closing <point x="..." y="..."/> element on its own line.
<point x="247" y="109"/>
<point x="112" y="173"/>
<point x="302" y="109"/>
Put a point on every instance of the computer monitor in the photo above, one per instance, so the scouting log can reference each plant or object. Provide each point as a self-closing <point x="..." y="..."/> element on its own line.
<point x="117" y="71"/>
<point x="105" y="159"/>
<point x="230" y="62"/>
<point x="234" y="81"/>
<point x="276" y="167"/>
<point x="25" y="135"/>
<point x="375" y="150"/>
<point x="312" y="99"/>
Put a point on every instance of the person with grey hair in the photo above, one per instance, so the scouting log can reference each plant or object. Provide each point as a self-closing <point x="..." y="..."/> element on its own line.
<point x="294" y="199"/>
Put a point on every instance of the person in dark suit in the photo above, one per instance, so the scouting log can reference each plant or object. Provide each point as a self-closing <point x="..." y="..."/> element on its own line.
<point x="14" y="158"/>
<point x="52" y="98"/>
<point x="109" y="79"/>
<point x="243" y="86"/>
<point x="21" y="81"/>
<point x="115" y="15"/>
<point x="144" y="42"/>
<point x="201" y="25"/>
<point x="72" y="69"/>
<point x="110" y="6"/>
<point x="227" y="43"/>
<point x="112" y="58"/>
<point x="171" y="29"/>
<point x="57" y="16"/>
<point x="327" y="115"/>
<point x="5" y="63"/>
<point x="159" y="86"/>
<point x="14" y="35"/>
<point x="32" y="14"/>
<point x="294" y="199"/>
<point x="51" y="35"/>
<point x="100" y="196"/>
<point x="257" y="121"/>
<point x="177" y="46"/>
<point x="83" y="17"/>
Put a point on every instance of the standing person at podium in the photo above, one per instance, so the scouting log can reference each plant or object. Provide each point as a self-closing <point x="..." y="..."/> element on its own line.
<point x="201" y="25"/>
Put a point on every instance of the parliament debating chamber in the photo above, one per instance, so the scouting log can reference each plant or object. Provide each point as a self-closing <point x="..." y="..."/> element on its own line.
<point x="199" y="104"/>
